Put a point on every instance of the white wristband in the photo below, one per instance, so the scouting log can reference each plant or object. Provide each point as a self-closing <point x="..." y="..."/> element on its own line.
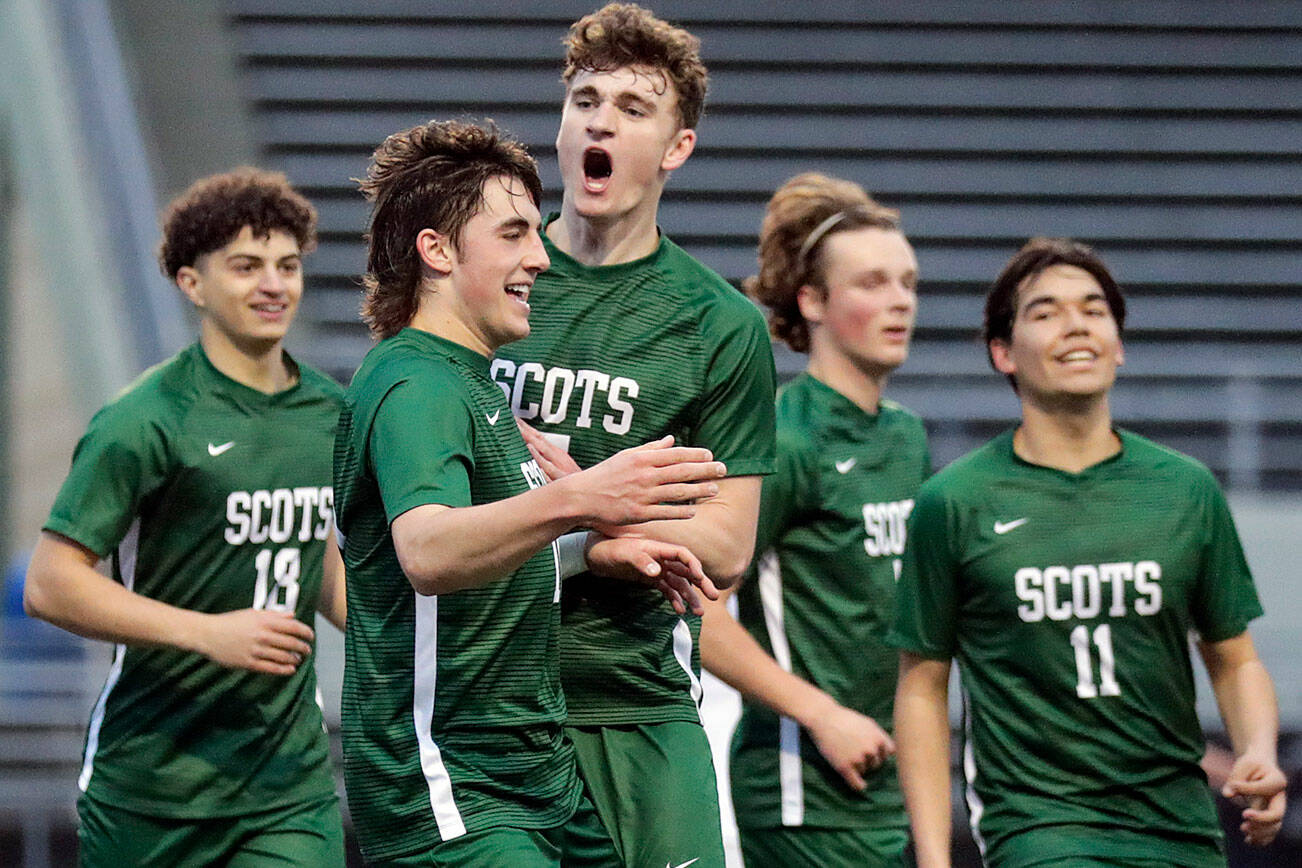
<point x="570" y="554"/>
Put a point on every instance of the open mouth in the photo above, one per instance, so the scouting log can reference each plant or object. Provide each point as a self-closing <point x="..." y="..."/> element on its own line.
<point x="519" y="292"/>
<point x="1078" y="357"/>
<point x="597" y="169"/>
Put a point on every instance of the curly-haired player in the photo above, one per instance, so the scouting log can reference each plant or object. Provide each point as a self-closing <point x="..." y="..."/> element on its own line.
<point x="812" y="772"/>
<point x="207" y="482"/>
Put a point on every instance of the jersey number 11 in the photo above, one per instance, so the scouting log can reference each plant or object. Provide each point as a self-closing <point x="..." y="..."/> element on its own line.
<point x="1107" y="683"/>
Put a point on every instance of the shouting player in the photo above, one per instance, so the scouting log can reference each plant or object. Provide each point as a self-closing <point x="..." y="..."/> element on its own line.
<point x="813" y="778"/>
<point x="1064" y="565"/>
<point x="632" y="340"/>
<point x="208" y="483"/>
<point x="453" y="709"/>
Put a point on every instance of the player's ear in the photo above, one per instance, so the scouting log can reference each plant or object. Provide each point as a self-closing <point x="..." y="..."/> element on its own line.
<point x="812" y="303"/>
<point x="435" y="251"/>
<point x="188" y="280"/>
<point x="1001" y="356"/>
<point x="679" y="149"/>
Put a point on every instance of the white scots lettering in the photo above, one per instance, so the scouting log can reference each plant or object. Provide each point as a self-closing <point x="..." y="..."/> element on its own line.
<point x="617" y="403"/>
<point x="303" y="513"/>
<point x="886" y="525"/>
<point x="1029" y="584"/>
<point x="561" y="387"/>
<point x="1059" y="592"/>
<point x="554" y="407"/>
<point x="591" y="381"/>
<point x="533" y="474"/>
<point x="1147" y="574"/>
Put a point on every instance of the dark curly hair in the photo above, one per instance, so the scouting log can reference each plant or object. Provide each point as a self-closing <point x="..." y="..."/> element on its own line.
<point x="431" y="176"/>
<point x="624" y="34"/>
<point x="208" y="215"/>
<point x="792" y="238"/>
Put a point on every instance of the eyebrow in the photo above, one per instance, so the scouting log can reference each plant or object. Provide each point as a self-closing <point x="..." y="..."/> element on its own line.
<point x="626" y="97"/>
<point x="258" y="257"/>
<point x="513" y="223"/>
<point x="623" y="97"/>
<point x="1039" y="300"/>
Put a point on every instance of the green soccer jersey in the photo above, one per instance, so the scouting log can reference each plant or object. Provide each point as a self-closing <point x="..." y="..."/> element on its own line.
<point x="210" y="496"/>
<point x="820" y="600"/>
<point x="619" y="355"/>
<point x="452" y="705"/>
<point x="1068" y="600"/>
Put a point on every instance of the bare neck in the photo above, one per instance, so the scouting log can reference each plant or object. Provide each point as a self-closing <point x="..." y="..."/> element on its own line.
<point x="433" y="316"/>
<point x="839" y="373"/>
<point x="259" y="365"/>
<point x="611" y="241"/>
<point x="1068" y="438"/>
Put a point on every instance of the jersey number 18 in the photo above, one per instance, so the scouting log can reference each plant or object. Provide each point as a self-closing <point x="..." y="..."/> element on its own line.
<point x="277" y="585"/>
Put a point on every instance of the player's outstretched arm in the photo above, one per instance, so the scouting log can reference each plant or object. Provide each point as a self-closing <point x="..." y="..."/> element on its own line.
<point x="444" y="549"/>
<point x="62" y="587"/>
<point x="851" y="742"/>
<point x="1246" y="697"/>
<point x="721" y="533"/>
<point x="922" y="739"/>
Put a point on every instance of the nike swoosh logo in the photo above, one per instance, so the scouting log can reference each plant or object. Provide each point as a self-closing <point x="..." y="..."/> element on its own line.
<point x="1003" y="527"/>
<point x="844" y="466"/>
<point x="683" y="864"/>
<point x="492" y="419"/>
<point x="214" y="451"/>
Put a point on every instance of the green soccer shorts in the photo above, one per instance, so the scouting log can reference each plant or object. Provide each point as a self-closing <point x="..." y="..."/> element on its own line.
<point x="298" y="836"/>
<point x="1070" y="845"/>
<point x="582" y="840"/>
<point x="654" y="789"/>
<point x="806" y="847"/>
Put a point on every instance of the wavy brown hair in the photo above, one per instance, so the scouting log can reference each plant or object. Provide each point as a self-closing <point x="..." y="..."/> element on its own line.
<point x="431" y="176"/>
<point x="208" y="215"/>
<point x="624" y="34"/>
<point x="792" y="238"/>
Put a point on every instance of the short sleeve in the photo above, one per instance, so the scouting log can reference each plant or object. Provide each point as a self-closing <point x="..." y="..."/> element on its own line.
<point x="736" y="416"/>
<point x="121" y="460"/>
<point x="421" y="446"/>
<point x="926" y="600"/>
<point x="1225" y="599"/>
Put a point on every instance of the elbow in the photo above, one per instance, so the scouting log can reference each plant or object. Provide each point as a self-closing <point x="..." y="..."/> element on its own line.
<point x="427" y="576"/>
<point x="36" y="602"/>
<point x="729" y="571"/>
<point x="425" y="579"/>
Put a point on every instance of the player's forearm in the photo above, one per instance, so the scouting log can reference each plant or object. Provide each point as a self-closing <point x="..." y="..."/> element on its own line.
<point x="922" y="751"/>
<point x="1246" y="697"/>
<point x="733" y="656"/>
<point x="63" y="588"/>
<point x="721" y="534"/>
<point x="333" y="603"/>
<point x="443" y="549"/>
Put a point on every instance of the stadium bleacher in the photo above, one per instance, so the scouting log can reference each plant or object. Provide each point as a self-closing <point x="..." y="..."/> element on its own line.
<point x="1160" y="132"/>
